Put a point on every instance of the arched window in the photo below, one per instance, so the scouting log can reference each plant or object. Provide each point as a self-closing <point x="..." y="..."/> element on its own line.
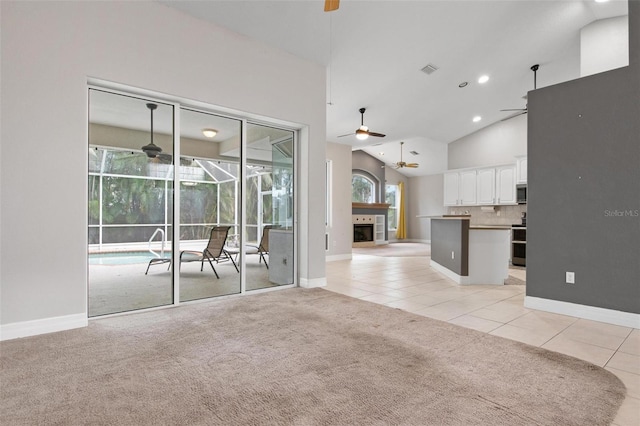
<point x="363" y="189"/>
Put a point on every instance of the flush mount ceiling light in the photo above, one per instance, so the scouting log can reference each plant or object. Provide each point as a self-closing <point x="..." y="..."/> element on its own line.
<point x="463" y="84"/>
<point x="151" y="150"/>
<point x="477" y="118"/>
<point x="210" y="133"/>
<point x="483" y="79"/>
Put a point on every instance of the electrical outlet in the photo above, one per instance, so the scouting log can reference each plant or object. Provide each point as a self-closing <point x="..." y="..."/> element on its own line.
<point x="571" y="278"/>
<point x="453" y="255"/>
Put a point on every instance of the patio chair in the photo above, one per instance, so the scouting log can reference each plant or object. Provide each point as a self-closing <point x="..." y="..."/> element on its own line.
<point x="263" y="247"/>
<point x="214" y="251"/>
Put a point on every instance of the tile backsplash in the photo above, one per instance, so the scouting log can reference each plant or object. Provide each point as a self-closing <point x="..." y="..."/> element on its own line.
<point x="503" y="215"/>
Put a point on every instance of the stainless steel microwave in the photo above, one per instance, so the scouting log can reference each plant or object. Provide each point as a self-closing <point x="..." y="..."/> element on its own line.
<point x="521" y="194"/>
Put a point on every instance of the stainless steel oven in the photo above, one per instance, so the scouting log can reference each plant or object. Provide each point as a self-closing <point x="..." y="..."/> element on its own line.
<point x="519" y="245"/>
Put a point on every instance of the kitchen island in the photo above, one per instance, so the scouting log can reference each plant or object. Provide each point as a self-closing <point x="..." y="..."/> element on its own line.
<point x="470" y="254"/>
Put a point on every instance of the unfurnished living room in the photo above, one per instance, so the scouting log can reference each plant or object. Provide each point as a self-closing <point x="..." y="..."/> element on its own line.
<point x="316" y="212"/>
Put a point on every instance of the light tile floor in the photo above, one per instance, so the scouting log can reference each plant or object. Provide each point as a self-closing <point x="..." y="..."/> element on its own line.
<point x="409" y="283"/>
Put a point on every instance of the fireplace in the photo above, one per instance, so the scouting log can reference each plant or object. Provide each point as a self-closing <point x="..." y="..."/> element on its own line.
<point x="362" y="232"/>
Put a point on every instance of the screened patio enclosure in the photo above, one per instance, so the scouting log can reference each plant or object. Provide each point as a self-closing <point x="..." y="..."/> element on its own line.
<point x="135" y="214"/>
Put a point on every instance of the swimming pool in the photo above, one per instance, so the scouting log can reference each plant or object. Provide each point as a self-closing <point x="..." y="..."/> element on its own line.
<point x="122" y="258"/>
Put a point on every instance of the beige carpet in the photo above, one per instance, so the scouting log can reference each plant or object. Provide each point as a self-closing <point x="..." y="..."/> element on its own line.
<point x="294" y="357"/>
<point x="396" y="250"/>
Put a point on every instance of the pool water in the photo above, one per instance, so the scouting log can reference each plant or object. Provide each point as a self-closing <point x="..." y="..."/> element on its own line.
<point x="122" y="258"/>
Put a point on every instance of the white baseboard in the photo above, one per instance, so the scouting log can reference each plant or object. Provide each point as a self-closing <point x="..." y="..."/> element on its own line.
<point x="41" y="326"/>
<point x="449" y="273"/>
<point x="335" y="257"/>
<point x="610" y="316"/>
<point x="314" y="282"/>
<point x="415" y="240"/>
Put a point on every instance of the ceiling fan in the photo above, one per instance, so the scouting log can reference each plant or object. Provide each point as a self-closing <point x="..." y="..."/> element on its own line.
<point x="400" y="164"/>
<point x="330" y="5"/>
<point x="363" y="131"/>
<point x="524" y="110"/>
<point x="152" y="150"/>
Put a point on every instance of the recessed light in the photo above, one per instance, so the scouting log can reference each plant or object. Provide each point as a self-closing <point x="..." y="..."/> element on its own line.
<point x="601" y="1"/>
<point x="483" y="79"/>
<point x="210" y="133"/>
<point x="463" y="84"/>
<point x="477" y="118"/>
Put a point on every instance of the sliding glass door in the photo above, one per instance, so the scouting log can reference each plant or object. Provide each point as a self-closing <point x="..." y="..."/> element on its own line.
<point x="233" y="229"/>
<point x="130" y="209"/>
<point x="210" y="229"/>
<point x="270" y="207"/>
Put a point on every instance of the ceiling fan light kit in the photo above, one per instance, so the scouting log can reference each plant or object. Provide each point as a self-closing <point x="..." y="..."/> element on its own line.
<point x="363" y="132"/>
<point x="152" y="150"/>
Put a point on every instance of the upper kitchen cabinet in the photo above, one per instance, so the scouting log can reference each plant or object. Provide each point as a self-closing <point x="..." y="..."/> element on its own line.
<point x="485" y="186"/>
<point x="460" y="188"/>
<point x="505" y="185"/>
<point x="468" y="184"/>
<point x="451" y="189"/>
<point x="521" y="170"/>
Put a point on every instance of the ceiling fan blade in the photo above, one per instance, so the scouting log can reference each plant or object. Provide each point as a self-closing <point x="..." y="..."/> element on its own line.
<point x="330" y="5"/>
<point x="348" y="134"/>
<point x="412" y="165"/>
<point x="514" y="115"/>
<point x="377" y="135"/>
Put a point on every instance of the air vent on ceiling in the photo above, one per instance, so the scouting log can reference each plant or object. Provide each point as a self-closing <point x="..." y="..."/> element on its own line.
<point x="429" y="69"/>
<point x="414" y="153"/>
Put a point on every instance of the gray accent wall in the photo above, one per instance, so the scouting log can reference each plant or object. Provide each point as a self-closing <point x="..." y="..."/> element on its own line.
<point x="584" y="187"/>
<point x="362" y="161"/>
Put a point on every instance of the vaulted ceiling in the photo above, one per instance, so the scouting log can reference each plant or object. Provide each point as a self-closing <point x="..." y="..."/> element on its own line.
<point x="374" y="52"/>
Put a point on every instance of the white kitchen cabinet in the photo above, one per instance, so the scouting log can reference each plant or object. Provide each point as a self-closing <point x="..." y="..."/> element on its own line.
<point x="460" y="188"/>
<point x="489" y="186"/>
<point x="521" y="170"/>
<point x="451" y="189"/>
<point x="486" y="188"/>
<point x="506" y="185"/>
<point x="468" y="187"/>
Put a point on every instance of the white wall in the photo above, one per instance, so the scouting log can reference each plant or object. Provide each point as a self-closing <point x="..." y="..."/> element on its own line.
<point x="496" y="144"/>
<point x="341" y="228"/>
<point x="604" y="45"/>
<point x="426" y="198"/>
<point x="49" y="50"/>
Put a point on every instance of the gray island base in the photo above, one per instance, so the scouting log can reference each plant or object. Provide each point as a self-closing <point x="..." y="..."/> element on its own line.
<point x="469" y="254"/>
